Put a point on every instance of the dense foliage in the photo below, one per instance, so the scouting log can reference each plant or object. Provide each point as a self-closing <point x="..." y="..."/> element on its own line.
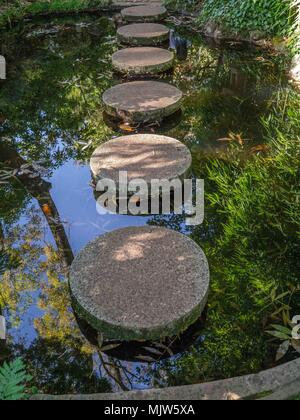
<point x="11" y="10"/>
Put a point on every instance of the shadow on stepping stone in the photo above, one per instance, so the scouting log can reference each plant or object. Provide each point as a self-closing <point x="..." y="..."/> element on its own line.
<point x="142" y="101"/>
<point x="143" y="60"/>
<point x="143" y="34"/>
<point x="147" y="13"/>
<point x="140" y="283"/>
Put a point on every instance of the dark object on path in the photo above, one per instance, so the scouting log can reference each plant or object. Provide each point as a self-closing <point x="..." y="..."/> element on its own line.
<point x="180" y="45"/>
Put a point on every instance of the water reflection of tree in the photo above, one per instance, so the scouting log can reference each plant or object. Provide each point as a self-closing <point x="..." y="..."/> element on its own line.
<point x="58" y="80"/>
<point x="68" y="364"/>
<point x="40" y="190"/>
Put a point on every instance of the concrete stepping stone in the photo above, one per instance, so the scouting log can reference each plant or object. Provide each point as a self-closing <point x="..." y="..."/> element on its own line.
<point x="140" y="283"/>
<point x="129" y="3"/>
<point x="142" y="101"/>
<point x="143" y="34"/>
<point x="143" y="156"/>
<point x="147" y="13"/>
<point x="143" y="60"/>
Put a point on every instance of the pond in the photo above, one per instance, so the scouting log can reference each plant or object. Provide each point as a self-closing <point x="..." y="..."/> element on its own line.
<point x="51" y="121"/>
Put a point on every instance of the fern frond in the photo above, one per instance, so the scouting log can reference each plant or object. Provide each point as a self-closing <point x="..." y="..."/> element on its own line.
<point x="13" y="378"/>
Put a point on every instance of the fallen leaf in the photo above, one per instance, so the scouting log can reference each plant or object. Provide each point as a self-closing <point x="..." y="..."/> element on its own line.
<point x="146" y="358"/>
<point x="100" y="339"/>
<point x="110" y="347"/>
<point x="126" y="127"/>
<point x="47" y="210"/>
<point x="153" y="351"/>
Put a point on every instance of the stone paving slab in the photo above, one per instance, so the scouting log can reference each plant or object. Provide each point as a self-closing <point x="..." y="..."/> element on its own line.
<point x="143" y="156"/>
<point x="142" y="101"/>
<point x="143" y="60"/>
<point x="147" y="13"/>
<point x="249" y="386"/>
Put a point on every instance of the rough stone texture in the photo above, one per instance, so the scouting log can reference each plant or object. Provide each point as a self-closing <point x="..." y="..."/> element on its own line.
<point x="143" y="60"/>
<point x="142" y="101"/>
<point x="2" y="68"/>
<point x="240" y="387"/>
<point x="140" y="283"/>
<point x="143" y="34"/>
<point x="147" y="13"/>
<point x="145" y="156"/>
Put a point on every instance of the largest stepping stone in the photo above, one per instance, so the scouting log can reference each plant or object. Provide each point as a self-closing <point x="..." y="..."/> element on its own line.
<point x="143" y="34"/>
<point x="147" y="13"/>
<point x="142" y="101"/>
<point x="140" y="283"/>
<point x="143" y="156"/>
<point x="143" y="60"/>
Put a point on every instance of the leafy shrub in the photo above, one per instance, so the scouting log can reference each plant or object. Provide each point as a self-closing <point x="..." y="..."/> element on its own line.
<point x="271" y="16"/>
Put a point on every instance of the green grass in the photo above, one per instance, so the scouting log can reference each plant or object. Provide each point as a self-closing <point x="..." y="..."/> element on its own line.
<point x="14" y="10"/>
<point x="238" y="18"/>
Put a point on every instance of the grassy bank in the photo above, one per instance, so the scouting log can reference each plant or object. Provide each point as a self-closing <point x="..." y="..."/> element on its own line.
<point x="14" y="10"/>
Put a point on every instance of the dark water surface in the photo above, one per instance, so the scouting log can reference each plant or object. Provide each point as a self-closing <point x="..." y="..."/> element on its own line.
<point x="51" y="112"/>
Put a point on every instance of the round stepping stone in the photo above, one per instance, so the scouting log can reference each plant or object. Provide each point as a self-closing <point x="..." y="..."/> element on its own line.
<point x="140" y="283"/>
<point x="147" y="13"/>
<point x="143" y="34"/>
<point x="143" y="156"/>
<point x="143" y="60"/>
<point x="142" y="101"/>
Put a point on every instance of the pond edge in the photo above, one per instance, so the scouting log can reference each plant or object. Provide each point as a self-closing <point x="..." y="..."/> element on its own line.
<point x="282" y="382"/>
